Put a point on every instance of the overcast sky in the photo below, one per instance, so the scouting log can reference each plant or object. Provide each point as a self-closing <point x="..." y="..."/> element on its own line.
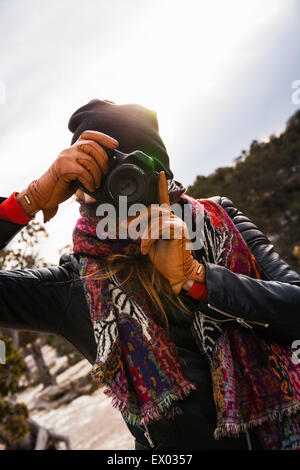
<point x="218" y="73"/>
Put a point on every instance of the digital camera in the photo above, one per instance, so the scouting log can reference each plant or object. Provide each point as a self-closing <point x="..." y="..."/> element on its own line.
<point x="130" y="174"/>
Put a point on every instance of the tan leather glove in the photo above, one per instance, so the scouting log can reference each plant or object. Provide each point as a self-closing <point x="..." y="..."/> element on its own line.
<point x="169" y="256"/>
<point x="85" y="161"/>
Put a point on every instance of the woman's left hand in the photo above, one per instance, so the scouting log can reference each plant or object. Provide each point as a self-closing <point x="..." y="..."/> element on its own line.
<point x="170" y="256"/>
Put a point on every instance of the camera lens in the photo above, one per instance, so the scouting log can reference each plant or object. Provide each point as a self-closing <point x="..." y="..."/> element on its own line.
<point x="127" y="180"/>
<point x="127" y="186"/>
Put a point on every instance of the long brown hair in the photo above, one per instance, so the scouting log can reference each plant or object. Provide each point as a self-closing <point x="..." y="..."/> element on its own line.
<point x="155" y="284"/>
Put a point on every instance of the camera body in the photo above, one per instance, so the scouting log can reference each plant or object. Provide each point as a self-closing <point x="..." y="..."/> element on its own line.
<point x="130" y="174"/>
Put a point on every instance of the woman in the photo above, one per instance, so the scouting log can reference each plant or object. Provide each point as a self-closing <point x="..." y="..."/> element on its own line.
<point x="150" y="316"/>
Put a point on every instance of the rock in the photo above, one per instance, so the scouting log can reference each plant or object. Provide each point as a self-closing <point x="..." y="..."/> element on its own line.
<point x="53" y="392"/>
<point x="71" y="384"/>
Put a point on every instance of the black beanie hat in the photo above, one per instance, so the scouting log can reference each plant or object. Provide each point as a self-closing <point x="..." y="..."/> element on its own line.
<point x="132" y="125"/>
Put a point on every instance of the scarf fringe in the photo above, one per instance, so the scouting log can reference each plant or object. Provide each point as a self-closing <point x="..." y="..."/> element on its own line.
<point x="232" y="429"/>
<point x="153" y="411"/>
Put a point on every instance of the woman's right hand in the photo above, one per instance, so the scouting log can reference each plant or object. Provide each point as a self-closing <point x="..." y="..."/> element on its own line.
<point x="85" y="161"/>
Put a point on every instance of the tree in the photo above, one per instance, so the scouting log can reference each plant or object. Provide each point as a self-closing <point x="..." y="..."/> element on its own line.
<point x="17" y="430"/>
<point x="13" y="416"/>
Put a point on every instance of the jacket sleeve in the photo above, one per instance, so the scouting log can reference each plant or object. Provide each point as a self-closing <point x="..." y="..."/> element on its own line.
<point x="8" y="230"/>
<point x="49" y="300"/>
<point x="34" y="299"/>
<point x="272" y="301"/>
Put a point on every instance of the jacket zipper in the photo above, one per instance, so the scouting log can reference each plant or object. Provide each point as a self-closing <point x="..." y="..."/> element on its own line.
<point x="148" y="437"/>
<point x="147" y="434"/>
<point x="234" y="317"/>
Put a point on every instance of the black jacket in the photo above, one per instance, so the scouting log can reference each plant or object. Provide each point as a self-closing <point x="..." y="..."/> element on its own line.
<point x="52" y="300"/>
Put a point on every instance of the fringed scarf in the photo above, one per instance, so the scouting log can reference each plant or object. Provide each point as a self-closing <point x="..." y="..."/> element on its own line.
<point x="255" y="383"/>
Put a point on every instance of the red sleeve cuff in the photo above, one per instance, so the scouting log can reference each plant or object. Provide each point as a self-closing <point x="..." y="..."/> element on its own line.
<point x="198" y="291"/>
<point x="11" y="211"/>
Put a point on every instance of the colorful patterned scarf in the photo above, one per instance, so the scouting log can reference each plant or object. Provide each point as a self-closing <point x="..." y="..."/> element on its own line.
<point x="255" y="383"/>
